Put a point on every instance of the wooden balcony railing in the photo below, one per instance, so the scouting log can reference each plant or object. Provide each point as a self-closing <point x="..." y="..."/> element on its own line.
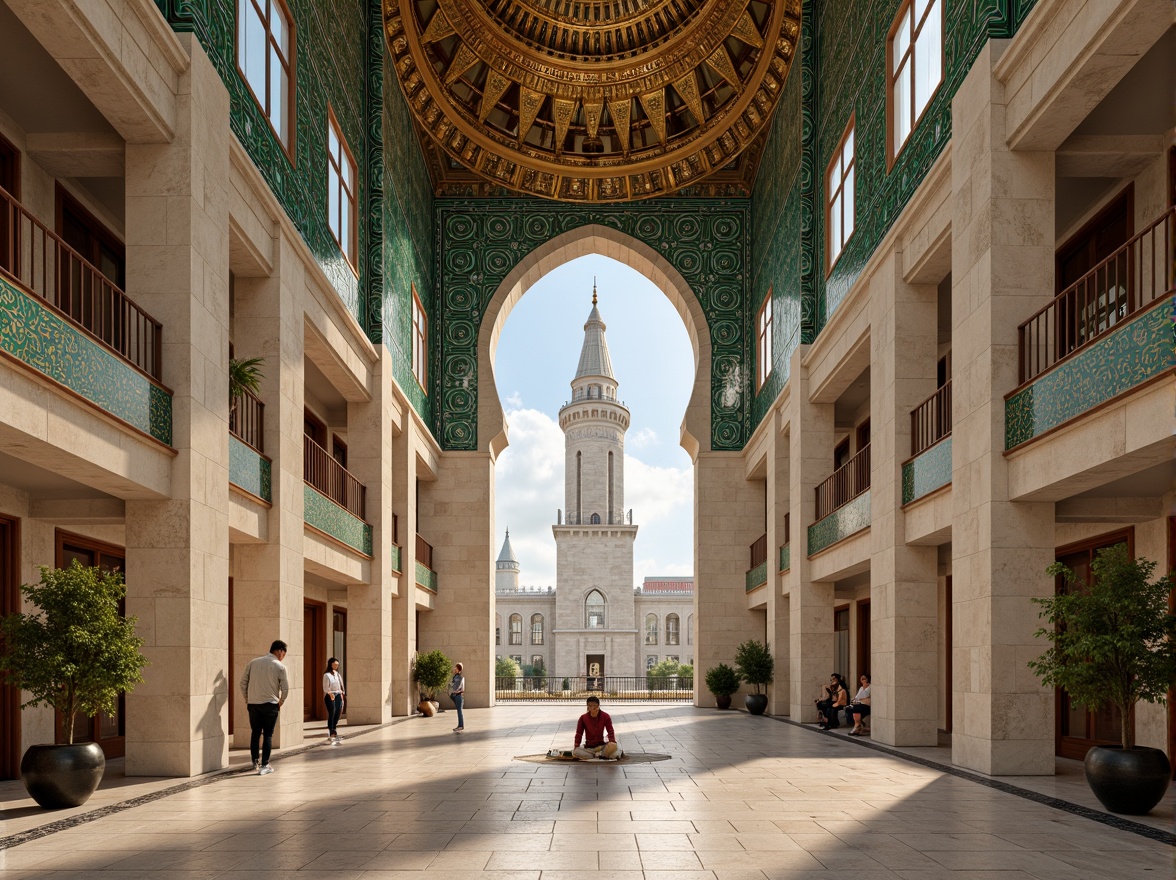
<point x="847" y="483"/>
<point x="759" y="551"/>
<point x="424" y="552"/>
<point x="322" y="472"/>
<point x="39" y="261"/>
<point x="1136" y="275"/>
<point x="931" y="420"/>
<point x="246" y="420"/>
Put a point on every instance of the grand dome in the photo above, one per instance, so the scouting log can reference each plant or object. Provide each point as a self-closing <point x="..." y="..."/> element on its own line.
<point x="592" y="100"/>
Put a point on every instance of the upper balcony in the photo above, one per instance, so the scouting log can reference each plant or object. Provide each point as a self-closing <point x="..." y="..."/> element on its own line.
<point x="328" y="481"/>
<point x="843" y="503"/>
<point x="1105" y="334"/>
<point x="929" y="467"/>
<point x="757" y="573"/>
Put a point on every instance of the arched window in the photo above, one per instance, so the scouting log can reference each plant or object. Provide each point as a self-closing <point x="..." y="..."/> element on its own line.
<point x="672" y="629"/>
<point x="516" y="629"/>
<point x="596" y="519"/>
<point x="690" y="630"/>
<point x="594" y="611"/>
<point x="536" y="629"/>
<point x="651" y="629"/>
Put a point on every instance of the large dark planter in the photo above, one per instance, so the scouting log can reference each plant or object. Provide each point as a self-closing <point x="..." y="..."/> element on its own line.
<point x="723" y="701"/>
<point x="756" y="703"/>
<point x="1130" y="782"/>
<point x="57" y="777"/>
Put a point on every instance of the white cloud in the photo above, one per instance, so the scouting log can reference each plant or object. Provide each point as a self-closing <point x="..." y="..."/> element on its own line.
<point x="514" y="400"/>
<point x="642" y="439"/>
<point x="529" y="489"/>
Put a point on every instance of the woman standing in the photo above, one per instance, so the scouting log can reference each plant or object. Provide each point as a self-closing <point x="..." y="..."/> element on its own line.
<point x="333" y="694"/>
<point x="457" y="694"/>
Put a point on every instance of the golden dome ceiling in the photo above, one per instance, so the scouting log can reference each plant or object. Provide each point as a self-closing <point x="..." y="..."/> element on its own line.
<point x="592" y="100"/>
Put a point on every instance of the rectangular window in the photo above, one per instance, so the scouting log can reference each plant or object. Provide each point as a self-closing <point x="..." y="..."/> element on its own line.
<point x="420" y="341"/>
<point x="839" y="202"/>
<point x="650" y="661"/>
<point x="265" y="60"/>
<point x="764" y="342"/>
<point x="914" y="54"/>
<point x="342" y="195"/>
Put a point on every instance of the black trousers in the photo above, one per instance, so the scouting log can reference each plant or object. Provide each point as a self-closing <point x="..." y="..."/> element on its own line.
<point x="825" y="707"/>
<point x="263" y="717"/>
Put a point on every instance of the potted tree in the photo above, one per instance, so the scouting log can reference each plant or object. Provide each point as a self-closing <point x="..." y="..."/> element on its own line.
<point x="755" y="665"/>
<point x="75" y="653"/>
<point x="722" y="681"/>
<point x="1113" y="643"/>
<point x="431" y="672"/>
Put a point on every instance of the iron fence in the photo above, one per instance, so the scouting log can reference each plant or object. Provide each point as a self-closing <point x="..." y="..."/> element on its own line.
<point x="609" y="688"/>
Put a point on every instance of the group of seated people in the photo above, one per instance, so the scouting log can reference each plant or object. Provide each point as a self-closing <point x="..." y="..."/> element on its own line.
<point x="835" y="699"/>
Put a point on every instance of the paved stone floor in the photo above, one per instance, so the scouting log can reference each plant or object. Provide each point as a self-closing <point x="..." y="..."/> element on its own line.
<point x="740" y="798"/>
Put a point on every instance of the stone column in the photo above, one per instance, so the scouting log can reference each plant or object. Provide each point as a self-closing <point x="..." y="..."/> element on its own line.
<point x="457" y="518"/>
<point x="268" y="577"/>
<point x="177" y="548"/>
<point x="779" y="619"/>
<point x="1002" y="272"/>
<point x="810" y="603"/>
<point x="404" y="634"/>
<point x="903" y="586"/>
<point x="369" y="606"/>
<point x="728" y="514"/>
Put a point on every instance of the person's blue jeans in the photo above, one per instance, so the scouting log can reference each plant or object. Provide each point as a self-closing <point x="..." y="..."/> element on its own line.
<point x="334" y="710"/>
<point x="458" y="699"/>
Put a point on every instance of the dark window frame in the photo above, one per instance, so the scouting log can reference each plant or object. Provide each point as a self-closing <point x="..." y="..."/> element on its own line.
<point x="836" y="193"/>
<point x="289" y="64"/>
<point x="335" y="178"/>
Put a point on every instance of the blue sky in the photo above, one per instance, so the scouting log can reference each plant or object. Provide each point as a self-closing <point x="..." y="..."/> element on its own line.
<point x="534" y="364"/>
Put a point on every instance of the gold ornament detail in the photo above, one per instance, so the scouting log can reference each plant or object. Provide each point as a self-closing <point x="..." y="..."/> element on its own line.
<point x="687" y="87"/>
<point x="621" y="111"/>
<point x="439" y="28"/>
<point x="745" y="31"/>
<point x="592" y="113"/>
<point x="496" y="86"/>
<point x="462" y="61"/>
<point x="654" y="105"/>
<point x="530" y="103"/>
<point x="563" y="111"/>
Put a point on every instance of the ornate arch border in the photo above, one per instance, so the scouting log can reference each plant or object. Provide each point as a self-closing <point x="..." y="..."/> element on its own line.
<point x="490" y="252"/>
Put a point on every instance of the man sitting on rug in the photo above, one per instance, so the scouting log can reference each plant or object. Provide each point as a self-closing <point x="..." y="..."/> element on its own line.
<point x="593" y="727"/>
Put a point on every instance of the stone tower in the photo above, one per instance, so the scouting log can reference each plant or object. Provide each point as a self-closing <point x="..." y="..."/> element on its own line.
<point x="594" y="545"/>
<point x="506" y="569"/>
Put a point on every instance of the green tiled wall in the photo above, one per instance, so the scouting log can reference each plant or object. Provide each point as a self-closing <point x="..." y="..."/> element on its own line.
<point x="757" y="577"/>
<point x="249" y="469"/>
<point x="426" y="577"/>
<point x="33" y="333"/>
<point x="927" y="471"/>
<point x="328" y="517"/>
<point x="396" y="563"/>
<point x="479" y="241"/>
<point x="840" y="524"/>
<point x="786" y="557"/>
<point x="1130" y="354"/>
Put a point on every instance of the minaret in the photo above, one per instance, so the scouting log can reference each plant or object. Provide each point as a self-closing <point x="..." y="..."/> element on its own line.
<point x="593" y="543"/>
<point x="506" y="569"/>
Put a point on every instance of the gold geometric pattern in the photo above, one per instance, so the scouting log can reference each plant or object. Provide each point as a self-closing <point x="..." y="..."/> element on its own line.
<point x="593" y="100"/>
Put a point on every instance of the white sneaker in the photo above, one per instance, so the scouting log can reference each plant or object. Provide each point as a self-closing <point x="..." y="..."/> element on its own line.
<point x="336" y="741"/>
<point x="264" y="770"/>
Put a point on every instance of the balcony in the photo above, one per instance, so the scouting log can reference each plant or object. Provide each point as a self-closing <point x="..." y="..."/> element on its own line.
<point x="757" y="574"/>
<point x="322" y="473"/>
<point x="426" y="576"/>
<point x="846" y="483"/>
<point x="931" y="420"/>
<point x="929" y="467"/>
<point x="246" y="420"/>
<point x="785" y="561"/>
<point x="1128" y="281"/>
<point x="42" y="264"/>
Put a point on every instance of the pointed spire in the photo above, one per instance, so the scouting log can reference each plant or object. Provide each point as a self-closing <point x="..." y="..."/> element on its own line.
<point x="507" y="558"/>
<point x="593" y="290"/>
<point x="594" y="359"/>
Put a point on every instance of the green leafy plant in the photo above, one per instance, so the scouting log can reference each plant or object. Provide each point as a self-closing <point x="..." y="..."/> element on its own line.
<point x="722" y="680"/>
<point x="686" y="675"/>
<point x="1113" y="641"/>
<point x="567" y="685"/>
<point x="506" y="667"/>
<point x="75" y="653"/>
<point x="755" y="664"/>
<point x="244" y="375"/>
<point x="431" y="671"/>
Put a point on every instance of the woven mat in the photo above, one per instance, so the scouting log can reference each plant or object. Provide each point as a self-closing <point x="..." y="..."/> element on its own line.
<point x="627" y="758"/>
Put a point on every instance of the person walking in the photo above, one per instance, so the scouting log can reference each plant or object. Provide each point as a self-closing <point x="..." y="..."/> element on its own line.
<point x="265" y="685"/>
<point x="457" y="694"/>
<point x="333" y="696"/>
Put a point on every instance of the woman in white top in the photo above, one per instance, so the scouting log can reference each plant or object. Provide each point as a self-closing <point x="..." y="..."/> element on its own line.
<point x="333" y="695"/>
<point x="860" y="707"/>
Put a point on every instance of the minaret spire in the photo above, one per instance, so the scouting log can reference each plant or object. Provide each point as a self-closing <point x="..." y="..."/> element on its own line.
<point x="593" y="290"/>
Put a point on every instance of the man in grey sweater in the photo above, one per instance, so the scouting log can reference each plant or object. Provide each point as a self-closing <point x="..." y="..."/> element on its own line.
<point x="265" y="686"/>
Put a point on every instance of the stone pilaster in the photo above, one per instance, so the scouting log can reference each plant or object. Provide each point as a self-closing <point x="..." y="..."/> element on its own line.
<point x="903" y="586"/>
<point x="403" y="647"/>
<point x="177" y="209"/>
<point x="1002" y="272"/>
<point x="779" y="619"/>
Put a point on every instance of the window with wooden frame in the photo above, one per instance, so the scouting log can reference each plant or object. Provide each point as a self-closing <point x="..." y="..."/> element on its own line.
<point x="839" y="199"/>
<point x="763" y="348"/>
<point x="342" y="214"/>
<point x="420" y="342"/>
<point x="914" y="68"/>
<point x="265" y="61"/>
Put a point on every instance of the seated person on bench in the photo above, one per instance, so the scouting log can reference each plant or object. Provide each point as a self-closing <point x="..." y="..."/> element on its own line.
<point x="593" y="728"/>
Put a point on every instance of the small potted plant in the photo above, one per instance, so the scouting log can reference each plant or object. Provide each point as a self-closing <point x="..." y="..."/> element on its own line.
<point x="430" y="671"/>
<point x="75" y="653"/>
<point x="1113" y="643"/>
<point x="722" y="681"/>
<point x="755" y="665"/>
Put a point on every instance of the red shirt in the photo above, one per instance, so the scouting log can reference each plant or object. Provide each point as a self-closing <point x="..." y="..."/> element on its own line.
<point x="592" y="730"/>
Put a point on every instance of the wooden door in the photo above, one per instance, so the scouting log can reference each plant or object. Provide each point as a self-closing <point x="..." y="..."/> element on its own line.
<point x="9" y="604"/>
<point x="595" y="671"/>
<point x="314" y="660"/>
<point x="1077" y="729"/>
<point x="109" y="731"/>
<point x="863" y="640"/>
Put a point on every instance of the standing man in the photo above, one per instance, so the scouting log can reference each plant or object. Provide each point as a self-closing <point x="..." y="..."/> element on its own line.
<point x="265" y="686"/>
<point x="593" y="726"/>
<point x="457" y="694"/>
